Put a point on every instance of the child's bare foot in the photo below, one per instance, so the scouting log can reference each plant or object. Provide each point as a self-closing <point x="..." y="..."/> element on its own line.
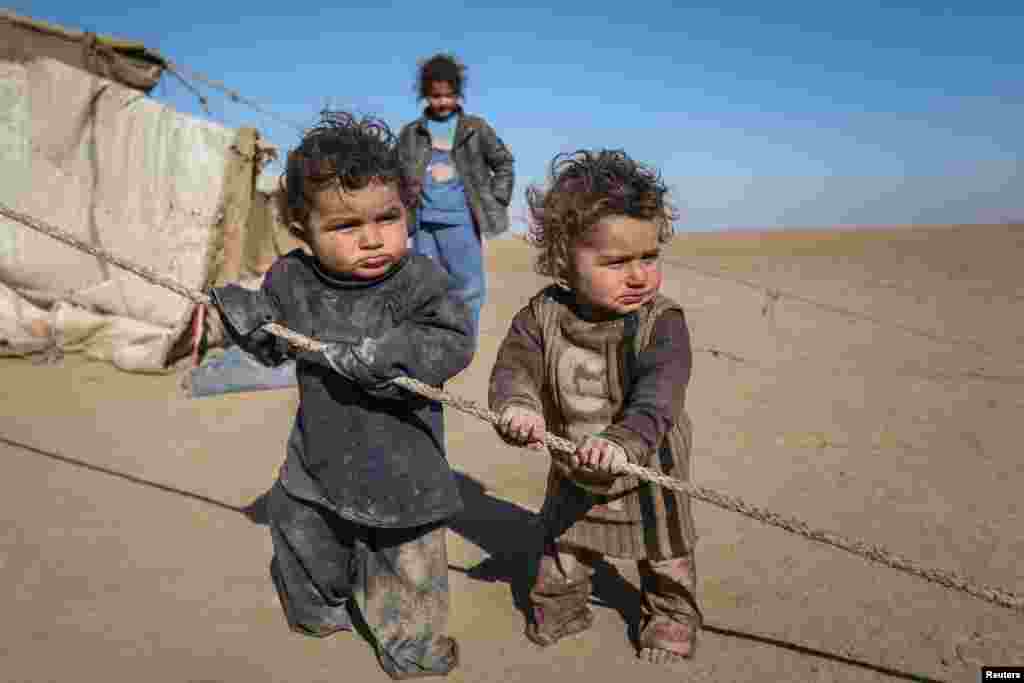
<point x="658" y="656"/>
<point x="667" y="642"/>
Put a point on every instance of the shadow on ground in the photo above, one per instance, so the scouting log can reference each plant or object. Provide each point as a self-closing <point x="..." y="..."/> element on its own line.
<point x="511" y="536"/>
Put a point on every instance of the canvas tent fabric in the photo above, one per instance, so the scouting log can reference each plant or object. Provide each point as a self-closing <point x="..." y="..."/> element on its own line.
<point x="128" y="343"/>
<point x="130" y="63"/>
<point x="157" y="187"/>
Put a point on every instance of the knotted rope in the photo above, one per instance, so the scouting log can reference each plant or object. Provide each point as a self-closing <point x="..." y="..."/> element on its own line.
<point x="874" y="553"/>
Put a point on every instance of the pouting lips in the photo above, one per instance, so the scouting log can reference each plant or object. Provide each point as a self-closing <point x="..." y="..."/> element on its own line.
<point x="375" y="262"/>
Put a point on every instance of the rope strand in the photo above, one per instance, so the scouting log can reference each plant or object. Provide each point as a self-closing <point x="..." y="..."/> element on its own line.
<point x="874" y="553"/>
<point x="772" y="296"/>
<point x="181" y="71"/>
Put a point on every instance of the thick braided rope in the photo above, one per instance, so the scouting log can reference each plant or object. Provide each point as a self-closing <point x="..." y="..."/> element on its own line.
<point x="101" y="253"/>
<point x="874" y="553"/>
<point x="793" y="525"/>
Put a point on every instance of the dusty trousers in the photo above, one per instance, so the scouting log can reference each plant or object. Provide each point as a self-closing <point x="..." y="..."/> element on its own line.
<point x="397" y="578"/>
<point x="560" y="596"/>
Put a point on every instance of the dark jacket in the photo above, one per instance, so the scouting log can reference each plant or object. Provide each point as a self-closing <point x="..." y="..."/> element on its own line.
<point x="482" y="160"/>
<point x="377" y="455"/>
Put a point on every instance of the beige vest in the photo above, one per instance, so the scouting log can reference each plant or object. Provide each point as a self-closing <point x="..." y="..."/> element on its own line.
<point x="584" y="393"/>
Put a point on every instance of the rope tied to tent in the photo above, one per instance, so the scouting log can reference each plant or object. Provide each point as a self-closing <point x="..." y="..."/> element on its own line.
<point x="183" y="73"/>
<point x="872" y="552"/>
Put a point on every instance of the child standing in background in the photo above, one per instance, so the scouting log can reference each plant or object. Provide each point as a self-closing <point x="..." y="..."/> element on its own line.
<point x="359" y="510"/>
<point x="604" y="359"/>
<point x="465" y="176"/>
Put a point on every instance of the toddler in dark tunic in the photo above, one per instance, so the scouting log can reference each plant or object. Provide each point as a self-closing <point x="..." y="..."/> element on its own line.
<point x="604" y="359"/>
<point x="358" y="513"/>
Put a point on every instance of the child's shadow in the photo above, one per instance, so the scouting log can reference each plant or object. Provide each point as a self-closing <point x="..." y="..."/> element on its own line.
<point x="511" y="535"/>
<point x="513" y="538"/>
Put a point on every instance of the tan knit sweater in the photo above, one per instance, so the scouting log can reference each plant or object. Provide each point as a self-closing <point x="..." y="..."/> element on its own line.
<point x="578" y="374"/>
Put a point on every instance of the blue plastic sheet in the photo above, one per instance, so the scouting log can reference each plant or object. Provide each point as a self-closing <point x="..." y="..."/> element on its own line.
<point x="236" y="371"/>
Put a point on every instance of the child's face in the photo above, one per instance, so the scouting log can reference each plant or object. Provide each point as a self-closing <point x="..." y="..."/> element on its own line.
<point x="615" y="269"/>
<point x="361" y="234"/>
<point x="441" y="99"/>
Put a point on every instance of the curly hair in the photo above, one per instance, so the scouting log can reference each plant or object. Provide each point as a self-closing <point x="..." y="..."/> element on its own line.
<point x="441" y="68"/>
<point x="340" y="149"/>
<point x="585" y="187"/>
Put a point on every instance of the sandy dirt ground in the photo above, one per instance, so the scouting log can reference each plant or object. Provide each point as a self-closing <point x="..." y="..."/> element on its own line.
<point x="878" y="395"/>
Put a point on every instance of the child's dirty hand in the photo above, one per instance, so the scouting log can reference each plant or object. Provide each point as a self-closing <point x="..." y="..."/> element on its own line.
<point x="329" y="355"/>
<point x="243" y="311"/>
<point x="599" y="455"/>
<point x="343" y="359"/>
<point x="522" y="427"/>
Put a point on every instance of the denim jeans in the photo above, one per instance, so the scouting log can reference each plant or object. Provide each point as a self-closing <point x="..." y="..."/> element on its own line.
<point x="458" y="250"/>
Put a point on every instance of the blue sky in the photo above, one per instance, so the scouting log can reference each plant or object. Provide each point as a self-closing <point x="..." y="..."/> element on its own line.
<point x="785" y="114"/>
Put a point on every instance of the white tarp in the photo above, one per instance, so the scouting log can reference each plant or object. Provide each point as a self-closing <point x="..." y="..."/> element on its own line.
<point x="119" y="170"/>
<point x="127" y="343"/>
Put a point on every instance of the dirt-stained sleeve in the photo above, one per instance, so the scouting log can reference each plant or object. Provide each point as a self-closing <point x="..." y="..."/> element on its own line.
<point x="266" y="348"/>
<point x="518" y="374"/>
<point x="658" y="394"/>
<point x="434" y="341"/>
<point x="241" y="312"/>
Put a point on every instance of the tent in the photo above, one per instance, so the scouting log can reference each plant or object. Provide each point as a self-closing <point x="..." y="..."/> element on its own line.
<point x="83" y="147"/>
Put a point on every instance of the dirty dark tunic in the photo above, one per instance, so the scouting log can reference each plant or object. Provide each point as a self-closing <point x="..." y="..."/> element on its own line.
<point x="373" y="456"/>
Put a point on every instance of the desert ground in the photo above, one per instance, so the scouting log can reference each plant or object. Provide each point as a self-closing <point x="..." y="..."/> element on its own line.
<point x="878" y="393"/>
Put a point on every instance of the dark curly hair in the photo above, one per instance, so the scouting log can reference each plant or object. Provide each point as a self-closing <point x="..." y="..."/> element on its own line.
<point x="340" y="148"/>
<point x="585" y="187"/>
<point x="441" y="68"/>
